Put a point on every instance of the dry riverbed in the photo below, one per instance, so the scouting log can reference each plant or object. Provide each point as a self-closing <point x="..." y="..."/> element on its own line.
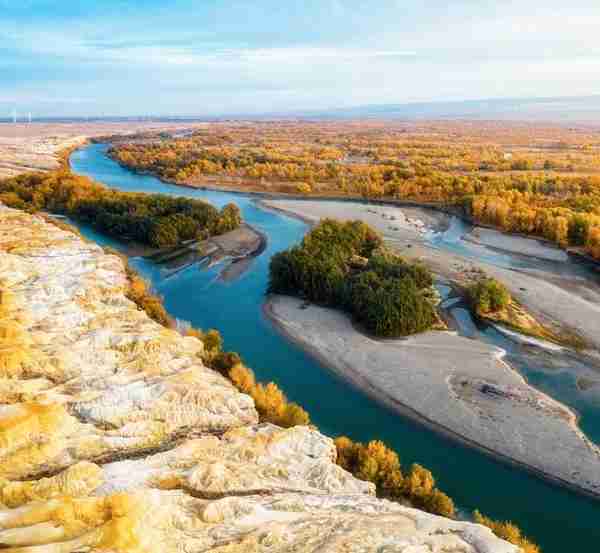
<point x="517" y="244"/>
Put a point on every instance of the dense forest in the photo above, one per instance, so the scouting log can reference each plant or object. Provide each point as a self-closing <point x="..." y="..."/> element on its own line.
<point x="345" y="265"/>
<point x="526" y="179"/>
<point x="152" y="219"/>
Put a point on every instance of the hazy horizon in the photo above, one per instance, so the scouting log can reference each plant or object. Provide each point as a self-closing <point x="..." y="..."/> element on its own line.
<point x="118" y="58"/>
<point x="552" y="110"/>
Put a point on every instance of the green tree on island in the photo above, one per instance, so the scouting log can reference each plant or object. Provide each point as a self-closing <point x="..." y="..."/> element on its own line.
<point x="345" y="265"/>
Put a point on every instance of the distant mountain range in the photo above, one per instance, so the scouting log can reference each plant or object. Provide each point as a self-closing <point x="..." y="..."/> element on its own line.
<point x="580" y="109"/>
<point x="575" y="109"/>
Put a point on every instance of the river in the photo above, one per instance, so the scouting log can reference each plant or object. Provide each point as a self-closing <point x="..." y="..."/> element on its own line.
<point x="559" y="520"/>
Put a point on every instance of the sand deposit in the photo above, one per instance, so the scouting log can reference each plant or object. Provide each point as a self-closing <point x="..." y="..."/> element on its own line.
<point x="455" y="385"/>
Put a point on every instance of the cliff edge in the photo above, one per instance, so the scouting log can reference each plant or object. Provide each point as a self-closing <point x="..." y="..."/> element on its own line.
<point x="115" y="437"/>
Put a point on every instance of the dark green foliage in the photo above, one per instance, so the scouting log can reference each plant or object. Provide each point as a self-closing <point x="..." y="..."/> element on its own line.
<point x="395" y="308"/>
<point x="387" y="296"/>
<point x="154" y="219"/>
<point x="389" y="265"/>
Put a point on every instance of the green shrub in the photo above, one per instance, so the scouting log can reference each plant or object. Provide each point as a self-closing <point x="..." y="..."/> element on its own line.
<point x="489" y="296"/>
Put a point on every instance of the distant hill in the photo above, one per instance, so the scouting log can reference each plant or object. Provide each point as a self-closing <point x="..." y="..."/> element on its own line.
<point x="568" y="109"/>
<point x="582" y="109"/>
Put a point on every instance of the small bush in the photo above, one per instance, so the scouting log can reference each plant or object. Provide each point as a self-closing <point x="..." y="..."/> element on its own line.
<point x="271" y="403"/>
<point x="507" y="531"/>
<point x="489" y="296"/>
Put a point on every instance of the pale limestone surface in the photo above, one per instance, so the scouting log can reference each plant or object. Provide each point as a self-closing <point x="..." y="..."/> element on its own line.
<point x="115" y="437"/>
<point x="19" y="154"/>
<point x="457" y="385"/>
<point x="119" y="382"/>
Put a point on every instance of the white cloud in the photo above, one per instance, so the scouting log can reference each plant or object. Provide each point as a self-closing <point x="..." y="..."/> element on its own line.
<point x="77" y="48"/>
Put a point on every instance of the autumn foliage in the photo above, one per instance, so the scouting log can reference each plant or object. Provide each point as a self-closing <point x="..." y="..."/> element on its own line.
<point x="377" y="463"/>
<point x="153" y="219"/>
<point x="507" y="531"/>
<point x="541" y="181"/>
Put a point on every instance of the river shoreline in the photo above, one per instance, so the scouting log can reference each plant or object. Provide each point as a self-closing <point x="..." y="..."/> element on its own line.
<point x="350" y="373"/>
<point x="577" y="255"/>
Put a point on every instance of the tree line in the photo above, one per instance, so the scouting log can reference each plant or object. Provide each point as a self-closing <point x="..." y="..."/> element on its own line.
<point x="345" y="265"/>
<point x="156" y="220"/>
<point x="538" y="192"/>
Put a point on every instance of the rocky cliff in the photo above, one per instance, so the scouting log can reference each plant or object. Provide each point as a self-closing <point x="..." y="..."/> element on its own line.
<point x="115" y="437"/>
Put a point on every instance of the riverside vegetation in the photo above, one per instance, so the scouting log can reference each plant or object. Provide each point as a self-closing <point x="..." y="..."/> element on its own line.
<point x="345" y="265"/>
<point x="540" y="181"/>
<point x="373" y="462"/>
<point x="152" y="219"/>
<point x="488" y="295"/>
<point x="490" y="300"/>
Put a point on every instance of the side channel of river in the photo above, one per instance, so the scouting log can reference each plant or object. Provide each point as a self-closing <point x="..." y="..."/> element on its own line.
<point x="558" y="519"/>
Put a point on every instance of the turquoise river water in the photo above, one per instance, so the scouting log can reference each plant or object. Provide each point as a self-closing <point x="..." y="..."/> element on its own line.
<point x="559" y="520"/>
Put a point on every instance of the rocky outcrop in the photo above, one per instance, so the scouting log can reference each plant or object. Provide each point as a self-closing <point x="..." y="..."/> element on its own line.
<point x="115" y="437"/>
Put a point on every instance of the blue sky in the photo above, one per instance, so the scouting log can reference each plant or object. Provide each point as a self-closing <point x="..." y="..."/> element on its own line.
<point x="206" y="57"/>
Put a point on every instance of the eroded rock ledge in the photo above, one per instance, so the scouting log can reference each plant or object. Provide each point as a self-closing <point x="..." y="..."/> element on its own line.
<point x="115" y="437"/>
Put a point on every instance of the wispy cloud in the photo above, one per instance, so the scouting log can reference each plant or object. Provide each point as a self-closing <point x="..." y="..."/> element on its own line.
<point x="182" y="52"/>
<point x="231" y="56"/>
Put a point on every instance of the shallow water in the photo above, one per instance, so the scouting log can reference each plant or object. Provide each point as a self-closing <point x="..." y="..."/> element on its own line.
<point x="453" y="240"/>
<point x="555" y="517"/>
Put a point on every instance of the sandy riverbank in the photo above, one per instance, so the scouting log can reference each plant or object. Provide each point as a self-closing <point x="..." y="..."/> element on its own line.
<point x="564" y="300"/>
<point x="456" y="386"/>
<point x="235" y="251"/>
<point x="518" y="244"/>
<point x="391" y="221"/>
